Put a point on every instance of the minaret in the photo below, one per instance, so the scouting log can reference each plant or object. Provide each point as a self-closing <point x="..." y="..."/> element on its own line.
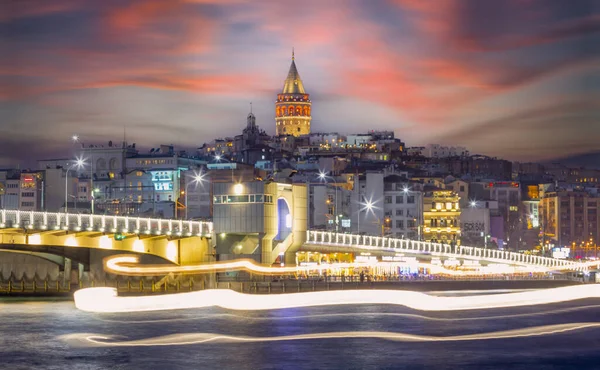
<point x="292" y="108"/>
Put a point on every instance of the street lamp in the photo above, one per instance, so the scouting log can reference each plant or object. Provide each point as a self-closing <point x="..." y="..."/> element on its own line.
<point x="79" y="163"/>
<point x="323" y="177"/>
<point x="75" y="139"/>
<point x="368" y="206"/>
<point x="198" y="179"/>
<point x="473" y="204"/>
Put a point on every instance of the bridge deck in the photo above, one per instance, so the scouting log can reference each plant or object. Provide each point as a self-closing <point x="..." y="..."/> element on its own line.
<point x="103" y="223"/>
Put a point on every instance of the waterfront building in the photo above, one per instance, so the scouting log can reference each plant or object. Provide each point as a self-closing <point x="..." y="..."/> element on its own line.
<point x="570" y="219"/>
<point x="441" y="216"/>
<point x="261" y="220"/>
<point x="293" y="106"/>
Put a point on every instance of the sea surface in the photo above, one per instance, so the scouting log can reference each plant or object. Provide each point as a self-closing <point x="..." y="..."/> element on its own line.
<point x="47" y="334"/>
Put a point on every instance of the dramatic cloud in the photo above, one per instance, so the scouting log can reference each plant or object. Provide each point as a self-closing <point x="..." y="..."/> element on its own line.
<point x="457" y="71"/>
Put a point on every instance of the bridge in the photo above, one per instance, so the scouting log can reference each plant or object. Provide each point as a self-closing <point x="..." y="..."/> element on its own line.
<point x="46" y="233"/>
<point x="336" y="242"/>
<point x="185" y="242"/>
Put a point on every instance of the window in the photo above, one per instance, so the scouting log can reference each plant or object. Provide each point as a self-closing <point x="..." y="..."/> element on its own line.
<point x="27" y="194"/>
<point x="399" y="199"/>
<point x="411" y="199"/>
<point x="399" y="212"/>
<point x="237" y="199"/>
<point x="400" y="224"/>
<point x="462" y="188"/>
<point x="26" y="204"/>
<point x="329" y="210"/>
<point x="388" y="199"/>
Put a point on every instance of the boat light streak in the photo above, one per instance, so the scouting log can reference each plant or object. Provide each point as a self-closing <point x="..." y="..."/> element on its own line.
<point x="106" y="299"/>
<point x="125" y="265"/>
<point x="98" y="340"/>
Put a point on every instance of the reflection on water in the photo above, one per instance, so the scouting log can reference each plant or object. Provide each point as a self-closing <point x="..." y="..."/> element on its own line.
<point x="56" y="335"/>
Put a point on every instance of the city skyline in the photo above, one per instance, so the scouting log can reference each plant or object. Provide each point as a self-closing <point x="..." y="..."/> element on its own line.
<point x="511" y="79"/>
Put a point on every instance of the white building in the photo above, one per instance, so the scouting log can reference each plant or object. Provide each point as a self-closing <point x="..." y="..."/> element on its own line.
<point x="388" y="205"/>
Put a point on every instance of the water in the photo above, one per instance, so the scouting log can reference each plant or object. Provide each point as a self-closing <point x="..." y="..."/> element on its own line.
<point x="32" y="335"/>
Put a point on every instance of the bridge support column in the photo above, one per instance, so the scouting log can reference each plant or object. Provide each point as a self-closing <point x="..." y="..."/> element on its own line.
<point x="67" y="272"/>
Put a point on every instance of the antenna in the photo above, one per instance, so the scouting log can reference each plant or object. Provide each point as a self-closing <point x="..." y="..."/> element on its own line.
<point x="250" y="107"/>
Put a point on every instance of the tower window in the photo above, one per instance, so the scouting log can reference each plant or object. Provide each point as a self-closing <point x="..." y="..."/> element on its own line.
<point x="298" y="129"/>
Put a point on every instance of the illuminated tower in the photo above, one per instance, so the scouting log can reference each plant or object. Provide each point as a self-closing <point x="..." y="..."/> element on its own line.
<point x="292" y="108"/>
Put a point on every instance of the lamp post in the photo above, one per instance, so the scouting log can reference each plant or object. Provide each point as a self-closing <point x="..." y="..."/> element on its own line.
<point x="75" y="139"/>
<point x="199" y="178"/>
<point x="79" y="163"/>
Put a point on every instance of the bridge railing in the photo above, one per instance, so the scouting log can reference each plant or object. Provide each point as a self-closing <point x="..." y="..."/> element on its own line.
<point x="414" y="246"/>
<point x="102" y="223"/>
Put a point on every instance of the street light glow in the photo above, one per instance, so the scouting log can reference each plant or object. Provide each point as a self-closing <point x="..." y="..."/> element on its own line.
<point x="75" y="138"/>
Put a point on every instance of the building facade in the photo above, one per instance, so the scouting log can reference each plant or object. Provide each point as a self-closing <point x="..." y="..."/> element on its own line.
<point x="570" y="219"/>
<point x="441" y="216"/>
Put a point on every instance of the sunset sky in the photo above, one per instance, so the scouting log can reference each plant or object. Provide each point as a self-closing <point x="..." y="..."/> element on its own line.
<point x="518" y="79"/>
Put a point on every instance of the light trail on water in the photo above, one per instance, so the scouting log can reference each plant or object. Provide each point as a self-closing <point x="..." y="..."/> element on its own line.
<point x="356" y="314"/>
<point x="106" y="299"/>
<point x="126" y="265"/>
<point x="99" y="340"/>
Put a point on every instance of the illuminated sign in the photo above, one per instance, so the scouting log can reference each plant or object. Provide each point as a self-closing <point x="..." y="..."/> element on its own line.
<point x="160" y="176"/>
<point x="561" y="253"/>
<point x="345" y="223"/>
<point x="163" y="180"/>
<point x="366" y="259"/>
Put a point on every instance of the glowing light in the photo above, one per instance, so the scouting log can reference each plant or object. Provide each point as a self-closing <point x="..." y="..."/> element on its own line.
<point x="105" y="242"/>
<point x="138" y="246"/>
<point x="100" y="340"/>
<point x="172" y="251"/>
<point x="288" y="220"/>
<point x="238" y="189"/>
<point x="122" y="264"/>
<point x="106" y="299"/>
<point x="35" y="239"/>
<point x="71" y="242"/>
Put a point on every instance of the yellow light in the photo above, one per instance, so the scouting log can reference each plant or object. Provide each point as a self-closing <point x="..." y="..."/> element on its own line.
<point x="35" y="239"/>
<point x="71" y="242"/>
<point x="138" y="246"/>
<point x="172" y="251"/>
<point x="105" y="242"/>
<point x="238" y="189"/>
